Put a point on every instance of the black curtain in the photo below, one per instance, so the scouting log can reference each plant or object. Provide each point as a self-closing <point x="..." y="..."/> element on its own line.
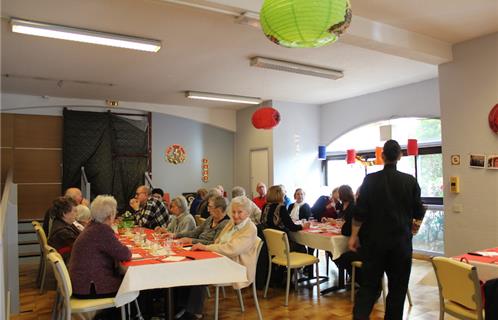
<point x="112" y="149"/>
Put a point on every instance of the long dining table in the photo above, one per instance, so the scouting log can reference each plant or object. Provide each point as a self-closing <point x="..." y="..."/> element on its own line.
<point x="485" y="261"/>
<point x="153" y="269"/>
<point x="323" y="236"/>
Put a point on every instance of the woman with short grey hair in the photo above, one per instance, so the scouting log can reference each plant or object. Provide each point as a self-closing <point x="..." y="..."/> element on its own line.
<point x="95" y="253"/>
<point x="182" y="220"/>
<point x="83" y="217"/>
<point x="103" y="207"/>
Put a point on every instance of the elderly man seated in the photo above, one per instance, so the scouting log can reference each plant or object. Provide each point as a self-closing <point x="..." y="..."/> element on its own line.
<point x="149" y="212"/>
<point x="254" y="211"/>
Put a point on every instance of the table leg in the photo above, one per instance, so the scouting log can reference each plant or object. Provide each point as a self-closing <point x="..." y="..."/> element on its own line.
<point x="340" y="285"/>
<point x="170" y="313"/>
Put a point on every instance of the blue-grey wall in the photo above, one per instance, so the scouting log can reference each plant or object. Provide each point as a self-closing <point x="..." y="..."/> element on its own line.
<point x="199" y="141"/>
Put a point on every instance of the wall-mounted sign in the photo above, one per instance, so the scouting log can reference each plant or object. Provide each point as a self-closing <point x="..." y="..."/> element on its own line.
<point x="205" y="167"/>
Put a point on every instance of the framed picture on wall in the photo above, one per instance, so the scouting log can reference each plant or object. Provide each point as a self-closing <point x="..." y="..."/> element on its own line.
<point x="492" y="162"/>
<point x="477" y="161"/>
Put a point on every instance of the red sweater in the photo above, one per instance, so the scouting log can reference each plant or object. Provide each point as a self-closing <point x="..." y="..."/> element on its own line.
<point x="260" y="202"/>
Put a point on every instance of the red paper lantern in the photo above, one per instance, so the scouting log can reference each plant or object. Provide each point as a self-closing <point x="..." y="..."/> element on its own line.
<point x="493" y="119"/>
<point x="265" y="118"/>
<point x="412" y="147"/>
<point x="351" y="156"/>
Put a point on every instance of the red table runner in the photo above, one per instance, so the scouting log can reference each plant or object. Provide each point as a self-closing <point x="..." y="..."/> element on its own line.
<point x="481" y="259"/>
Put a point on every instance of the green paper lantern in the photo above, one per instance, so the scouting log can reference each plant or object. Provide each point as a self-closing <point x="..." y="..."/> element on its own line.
<point x="304" y="23"/>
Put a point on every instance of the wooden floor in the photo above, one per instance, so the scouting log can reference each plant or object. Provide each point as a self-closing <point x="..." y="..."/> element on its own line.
<point x="305" y="304"/>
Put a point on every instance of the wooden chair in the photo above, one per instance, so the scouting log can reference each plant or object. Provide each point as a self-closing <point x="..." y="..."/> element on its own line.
<point x="239" y="293"/>
<point x="279" y="253"/>
<point x="459" y="289"/>
<point x="359" y="264"/>
<point x="42" y="269"/>
<point x="70" y="305"/>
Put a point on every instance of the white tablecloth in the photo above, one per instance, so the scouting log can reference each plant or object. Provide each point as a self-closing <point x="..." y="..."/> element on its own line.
<point x="337" y="244"/>
<point x="175" y="274"/>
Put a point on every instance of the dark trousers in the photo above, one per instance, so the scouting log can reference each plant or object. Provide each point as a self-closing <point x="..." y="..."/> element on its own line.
<point x="394" y="257"/>
<point x="191" y="298"/>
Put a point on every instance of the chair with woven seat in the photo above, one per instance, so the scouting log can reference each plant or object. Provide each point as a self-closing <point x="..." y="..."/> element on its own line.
<point x="279" y="253"/>
<point x="239" y="293"/>
<point x="71" y="305"/>
<point x="459" y="289"/>
<point x="359" y="264"/>
<point x="42" y="269"/>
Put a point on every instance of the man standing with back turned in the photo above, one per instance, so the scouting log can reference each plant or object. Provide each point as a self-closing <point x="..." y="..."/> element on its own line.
<point x="388" y="213"/>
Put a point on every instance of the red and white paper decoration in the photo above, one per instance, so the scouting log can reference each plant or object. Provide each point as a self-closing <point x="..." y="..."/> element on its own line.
<point x="205" y="167"/>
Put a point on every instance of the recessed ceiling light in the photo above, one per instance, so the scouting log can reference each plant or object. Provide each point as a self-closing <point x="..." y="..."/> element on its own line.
<point x="83" y="35"/>
<point x="222" y="97"/>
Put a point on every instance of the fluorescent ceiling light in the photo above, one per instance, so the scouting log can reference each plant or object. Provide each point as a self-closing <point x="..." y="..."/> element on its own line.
<point x="222" y="97"/>
<point x="83" y="35"/>
<point x="296" y="68"/>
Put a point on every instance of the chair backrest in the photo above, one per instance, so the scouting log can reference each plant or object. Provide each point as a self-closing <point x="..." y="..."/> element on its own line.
<point x="61" y="275"/>
<point x="42" y="238"/>
<point x="199" y="220"/>
<point x="458" y="282"/>
<point x="277" y="242"/>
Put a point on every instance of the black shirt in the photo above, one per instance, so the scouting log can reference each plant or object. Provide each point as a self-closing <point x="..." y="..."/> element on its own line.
<point x="276" y="216"/>
<point x="388" y="202"/>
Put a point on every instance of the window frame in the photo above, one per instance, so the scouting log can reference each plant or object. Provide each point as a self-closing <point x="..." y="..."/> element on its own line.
<point x="423" y="150"/>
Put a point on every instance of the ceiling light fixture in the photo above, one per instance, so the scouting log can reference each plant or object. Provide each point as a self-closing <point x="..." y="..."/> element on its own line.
<point x="221" y="97"/>
<point x="296" y="68"/>
<point x="83" y="35"/>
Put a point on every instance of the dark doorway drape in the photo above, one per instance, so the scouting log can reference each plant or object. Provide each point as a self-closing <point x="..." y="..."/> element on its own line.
<point x="112" y="149"/>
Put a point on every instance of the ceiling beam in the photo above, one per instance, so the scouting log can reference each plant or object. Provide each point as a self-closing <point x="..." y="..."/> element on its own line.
<point x="363" y="32"/>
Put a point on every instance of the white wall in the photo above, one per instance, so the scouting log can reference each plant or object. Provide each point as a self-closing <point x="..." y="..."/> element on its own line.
<point x="248" y="138"/>
<point x="26" y="104"/>
<point x="468" y="89"/>
<point x="199" y="141"/>
<point x="415" y="100"/>
<point x="295" y="149"/>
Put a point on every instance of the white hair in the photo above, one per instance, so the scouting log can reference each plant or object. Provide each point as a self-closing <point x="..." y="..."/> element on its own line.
<point x="181" y="203"/>
<point x="242" y="202"/>
<point x="83" y="213"/>
<point x="103" y="207"/>
<point x="238" y="191"/>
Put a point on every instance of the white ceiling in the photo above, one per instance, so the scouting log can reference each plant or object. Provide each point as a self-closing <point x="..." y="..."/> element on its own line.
<point x="207" y="51"/>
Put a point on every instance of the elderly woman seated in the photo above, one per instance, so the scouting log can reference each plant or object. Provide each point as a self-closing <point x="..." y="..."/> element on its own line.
<point x="182" y="220"/>
<point x="83" y="217"/>
<point x="209" y="229"/>
<point x="63" y="232"/>
<point x="96" y="253"/>
<point x="237" y="241"/>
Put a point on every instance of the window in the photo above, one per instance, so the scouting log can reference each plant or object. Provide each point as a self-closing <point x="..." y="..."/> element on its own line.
<point x="428" y="168"/>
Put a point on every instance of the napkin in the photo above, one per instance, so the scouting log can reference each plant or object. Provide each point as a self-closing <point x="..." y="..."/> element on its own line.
<point x="173" y="259"/>
<point x="488" y="253"/>
<point x="136" y="256"/>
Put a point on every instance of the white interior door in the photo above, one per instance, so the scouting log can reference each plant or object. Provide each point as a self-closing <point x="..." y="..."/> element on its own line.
<point x="259" y="169"/>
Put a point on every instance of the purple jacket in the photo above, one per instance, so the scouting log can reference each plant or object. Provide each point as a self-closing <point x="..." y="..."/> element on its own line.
<point x="93" y="259"/>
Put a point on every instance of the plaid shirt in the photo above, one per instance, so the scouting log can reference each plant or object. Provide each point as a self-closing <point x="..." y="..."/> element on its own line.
<point x="153" y="214"/>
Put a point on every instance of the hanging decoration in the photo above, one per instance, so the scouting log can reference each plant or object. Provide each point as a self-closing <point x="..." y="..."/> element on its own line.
<point x="205" y="167"/>
<point x="175" y="154"/>
<point x="265" y="118"/>
<point x="378" y="156"/>
<point x="305" y="23"/>
<point x="322" y="152"/>
<point x="493" y="119"/>
<point x="351" y="156"/>
<point x="412" y="147"/>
